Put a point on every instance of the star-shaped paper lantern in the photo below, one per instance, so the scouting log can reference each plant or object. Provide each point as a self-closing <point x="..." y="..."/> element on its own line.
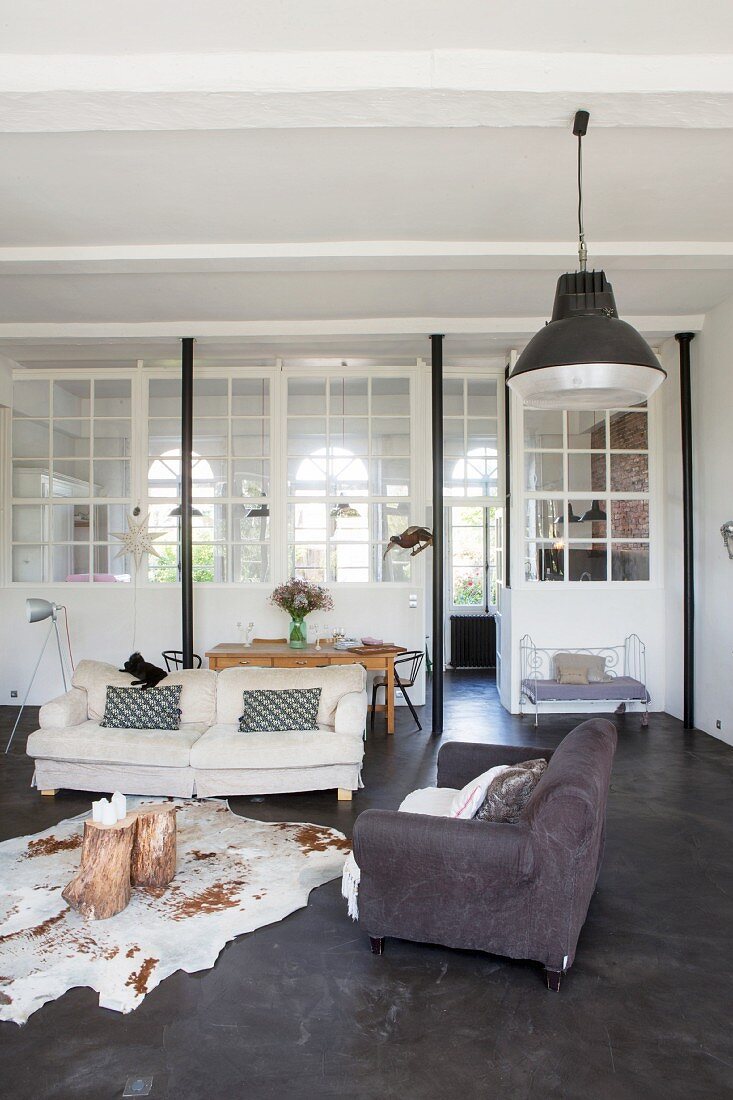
<point x="137" y="540"/>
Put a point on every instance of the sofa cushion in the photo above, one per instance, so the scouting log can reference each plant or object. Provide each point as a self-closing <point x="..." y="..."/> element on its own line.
<point x="223" y="746"/>
<point x="198" y="698"/>
<point x="91" y="743"/>
<point x="151" y="709"/>
<point x="275" y="711"/>
<point x="334" y="681"/>
<point x="434" y="801"/>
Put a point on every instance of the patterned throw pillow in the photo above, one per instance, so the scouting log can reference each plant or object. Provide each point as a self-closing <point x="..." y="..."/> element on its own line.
<point x="152" y="709"/>
<point x="273" y="711"/>
<point x="508" y="793"/>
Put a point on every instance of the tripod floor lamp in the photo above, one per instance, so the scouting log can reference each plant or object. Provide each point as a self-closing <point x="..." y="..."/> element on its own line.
<point x="36" y="610"/>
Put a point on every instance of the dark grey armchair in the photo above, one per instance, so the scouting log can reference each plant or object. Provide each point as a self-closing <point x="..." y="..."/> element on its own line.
<point x="519" y="890"/>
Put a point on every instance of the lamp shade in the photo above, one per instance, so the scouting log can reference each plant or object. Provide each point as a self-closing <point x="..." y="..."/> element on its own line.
<point x="177" y="512"/>
<point x="37" y="610"/>
<point x="586" y="357"/>
<point x="594" y="514"/>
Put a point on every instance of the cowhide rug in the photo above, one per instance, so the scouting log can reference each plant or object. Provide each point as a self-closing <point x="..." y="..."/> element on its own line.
<point x="233" y="875"/>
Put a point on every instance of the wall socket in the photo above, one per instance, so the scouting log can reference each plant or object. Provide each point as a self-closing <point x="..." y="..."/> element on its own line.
<point x="718" y="724"/>
<point x="13" y="694"/>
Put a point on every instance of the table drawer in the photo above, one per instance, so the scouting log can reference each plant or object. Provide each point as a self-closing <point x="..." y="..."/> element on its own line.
<point x="293" y="661"/>
<point x="238" y="662"/>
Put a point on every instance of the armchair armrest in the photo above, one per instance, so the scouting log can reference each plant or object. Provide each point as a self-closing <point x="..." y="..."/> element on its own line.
<point x="351" y="712"/>
<point x="461" y="761"/>
<point x="66" y="710"/>
<point x="401" y="848"/>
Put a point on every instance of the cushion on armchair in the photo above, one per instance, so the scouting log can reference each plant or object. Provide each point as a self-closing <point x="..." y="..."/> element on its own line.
<point x="508" y="793"/>
<point x="467" y="801"/>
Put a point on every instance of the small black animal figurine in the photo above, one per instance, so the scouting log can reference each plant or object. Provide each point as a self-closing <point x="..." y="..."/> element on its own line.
<point x="147" y="675"/>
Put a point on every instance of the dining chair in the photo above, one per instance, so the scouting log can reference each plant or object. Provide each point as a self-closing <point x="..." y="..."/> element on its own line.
<point x="174" y="659"/>
<point x="413" y="659"/>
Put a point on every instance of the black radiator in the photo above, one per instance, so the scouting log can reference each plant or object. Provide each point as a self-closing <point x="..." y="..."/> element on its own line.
<point x="472" y="641"/>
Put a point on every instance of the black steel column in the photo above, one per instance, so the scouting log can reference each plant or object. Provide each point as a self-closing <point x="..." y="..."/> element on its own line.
<point x="186" y="549"/>
<point x="508" y="483"/>
<point x="436" y="343"/>
<point x="685" y="339"/>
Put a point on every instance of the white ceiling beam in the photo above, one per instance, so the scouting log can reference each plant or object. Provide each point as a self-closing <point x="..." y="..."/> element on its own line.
<point x="377" y="326"/>
<point x="48" y="93"/>
<point x="364" y="255"/>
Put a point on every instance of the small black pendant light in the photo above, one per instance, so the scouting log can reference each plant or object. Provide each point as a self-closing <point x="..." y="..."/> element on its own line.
<point x="585" y="357"/>
<point x="572" y="518"/>
<point x="594" y="514"/>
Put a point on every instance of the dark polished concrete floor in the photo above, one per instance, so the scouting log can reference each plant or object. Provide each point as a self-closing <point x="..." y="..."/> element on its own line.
<point x="302" y="1010"/>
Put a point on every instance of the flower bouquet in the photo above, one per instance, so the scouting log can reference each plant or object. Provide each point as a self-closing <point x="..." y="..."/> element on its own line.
<point x="299" y="598"/>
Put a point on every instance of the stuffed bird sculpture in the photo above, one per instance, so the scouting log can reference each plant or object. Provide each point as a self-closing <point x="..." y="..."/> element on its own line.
<point x="416" y="539"/>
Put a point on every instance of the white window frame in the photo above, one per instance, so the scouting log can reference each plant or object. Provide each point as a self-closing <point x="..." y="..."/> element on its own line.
<point x="520" y="496"/>
<point x="228" y="374"/>
<point x="414" y="499"/>
<point x="72" y="375"/>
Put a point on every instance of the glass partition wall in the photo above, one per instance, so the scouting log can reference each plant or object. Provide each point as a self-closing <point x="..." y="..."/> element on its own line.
<point x="586" y="495"/>
<point x="71" y="479"/>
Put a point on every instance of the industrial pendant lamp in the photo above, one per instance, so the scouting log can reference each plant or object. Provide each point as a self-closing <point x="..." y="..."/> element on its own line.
<point x="585" y="357"/>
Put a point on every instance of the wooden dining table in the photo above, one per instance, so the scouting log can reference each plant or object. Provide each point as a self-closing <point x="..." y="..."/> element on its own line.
<point x="268" y="653"/>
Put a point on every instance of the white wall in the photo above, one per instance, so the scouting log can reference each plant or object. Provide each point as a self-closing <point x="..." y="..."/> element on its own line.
<point x="712" y="387"/>
<point x="558" y="616"/>
<point x="100" y="621"/>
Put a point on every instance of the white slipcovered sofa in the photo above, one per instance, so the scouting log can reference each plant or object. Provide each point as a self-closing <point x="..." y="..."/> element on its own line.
<point x="207" y="755"/>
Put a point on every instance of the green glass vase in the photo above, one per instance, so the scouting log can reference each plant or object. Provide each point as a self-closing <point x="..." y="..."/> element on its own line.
<point x="298" y="634"/>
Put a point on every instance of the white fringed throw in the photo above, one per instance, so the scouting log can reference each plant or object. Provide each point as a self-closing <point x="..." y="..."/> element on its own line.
<point x="350" y="885"/>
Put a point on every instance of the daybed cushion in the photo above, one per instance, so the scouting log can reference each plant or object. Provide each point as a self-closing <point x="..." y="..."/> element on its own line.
<point x="334" y="681"/>
<point x="591" y="664"/>
<point x="617" y="688"/>
<point x="198" y="698"/>
<point x="223" y="746"/>
<point x="93" y="744"/>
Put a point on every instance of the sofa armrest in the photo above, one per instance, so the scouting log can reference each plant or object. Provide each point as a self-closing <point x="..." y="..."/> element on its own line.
<point x="461" y="761"/>
<point x="66" y="710"/>
<point x="402" y="856"/>
<point x="351" y="712"/>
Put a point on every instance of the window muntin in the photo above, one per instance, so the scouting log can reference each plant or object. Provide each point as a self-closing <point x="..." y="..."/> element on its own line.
<point x="586" y="495"/>
<point x="71" y="479"/>
<point x="348" y="464"/>
<point x="231" y="479"/>
<point x="470" y="437"/>
<point x="476" y="553"/>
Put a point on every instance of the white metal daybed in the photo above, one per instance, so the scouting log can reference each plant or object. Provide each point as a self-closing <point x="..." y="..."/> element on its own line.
<point x="540" y="683"/>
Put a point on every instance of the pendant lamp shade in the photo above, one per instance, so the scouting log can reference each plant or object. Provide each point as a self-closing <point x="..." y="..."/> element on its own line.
<point x="595" y="514"/>
<point x="586" y="357"/>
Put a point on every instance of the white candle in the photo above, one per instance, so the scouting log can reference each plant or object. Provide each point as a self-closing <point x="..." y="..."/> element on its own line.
<point x="96" y="811"/>
<point x="108" y="815"/>
<point x="119" y="805"/>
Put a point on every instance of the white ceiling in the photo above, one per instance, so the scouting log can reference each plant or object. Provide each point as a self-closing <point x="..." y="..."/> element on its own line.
<point x="279" y="223"/>
<point x="150" y="26"/>
<point x="363" y="184"/>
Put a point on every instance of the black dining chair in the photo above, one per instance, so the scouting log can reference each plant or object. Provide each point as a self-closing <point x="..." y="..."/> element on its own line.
<point x="413" y="659"/>
<point x="174" y="659"/>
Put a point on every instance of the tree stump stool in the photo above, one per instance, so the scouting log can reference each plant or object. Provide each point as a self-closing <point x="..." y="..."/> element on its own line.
<point x="102" y="886"/>
<point x="153" y="857"/>
<point x="139" y="850"/>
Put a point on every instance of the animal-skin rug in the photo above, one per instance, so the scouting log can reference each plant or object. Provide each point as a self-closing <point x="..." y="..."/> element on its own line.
<point x="233" y="875"/>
